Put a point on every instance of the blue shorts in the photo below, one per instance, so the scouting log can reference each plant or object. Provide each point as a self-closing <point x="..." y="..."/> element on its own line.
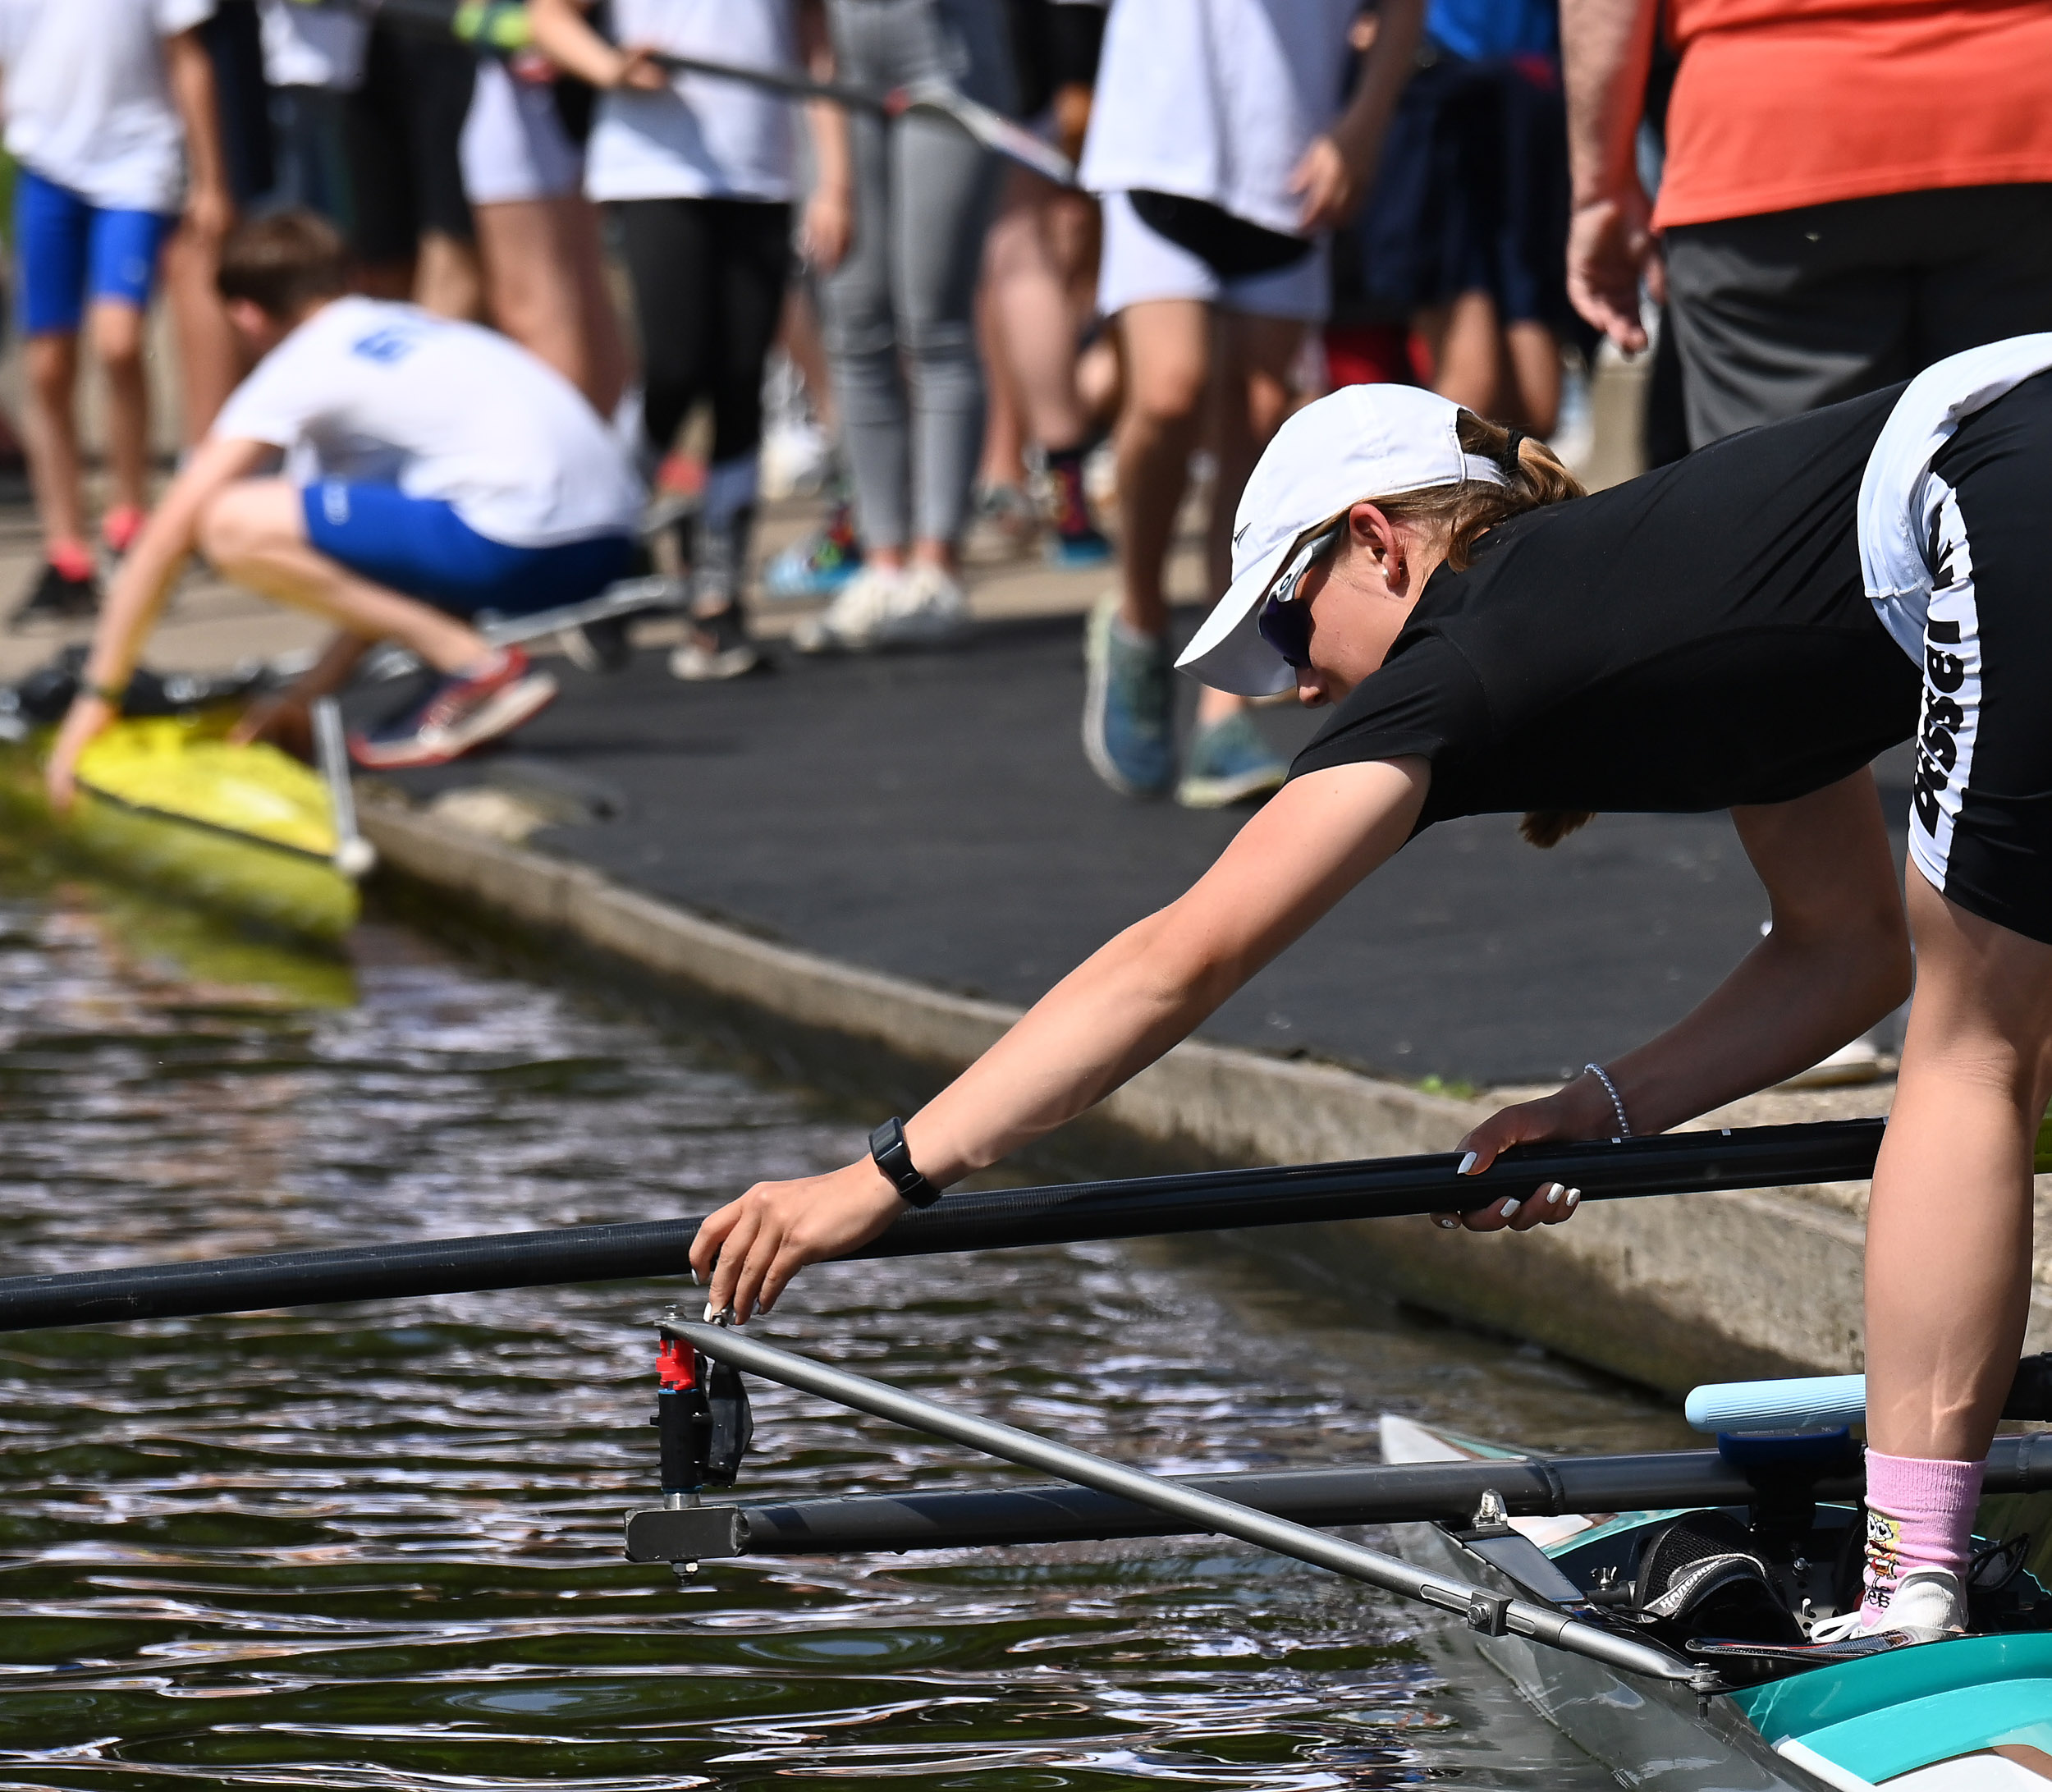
<point x="68" y="250"/>
<point x="419" y="546"/>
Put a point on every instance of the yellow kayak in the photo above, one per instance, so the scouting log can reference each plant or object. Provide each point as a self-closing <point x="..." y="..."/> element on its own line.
<point x="168" y="802"/>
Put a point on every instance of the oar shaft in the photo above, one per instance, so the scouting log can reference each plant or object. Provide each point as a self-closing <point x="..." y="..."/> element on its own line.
<point x="1205" y="1511"/>
<point x="1205" y="1201"/>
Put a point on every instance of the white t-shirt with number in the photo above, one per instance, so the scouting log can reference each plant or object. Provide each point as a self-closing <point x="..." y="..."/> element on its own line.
<point x="703" y="138"/>
<point x="1216" y="99"/>
<point x="88" y="99"/>
<point x="388" y="394"/>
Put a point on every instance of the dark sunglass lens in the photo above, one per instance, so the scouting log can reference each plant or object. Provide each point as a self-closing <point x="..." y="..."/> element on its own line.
<point x="1286" y="627"/>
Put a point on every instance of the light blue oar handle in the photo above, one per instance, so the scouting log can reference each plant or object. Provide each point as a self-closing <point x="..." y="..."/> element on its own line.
<point x="1815" y="1403"/>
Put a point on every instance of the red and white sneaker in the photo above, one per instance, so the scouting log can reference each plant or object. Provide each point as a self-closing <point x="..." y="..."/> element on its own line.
<point x="463" y="712"/>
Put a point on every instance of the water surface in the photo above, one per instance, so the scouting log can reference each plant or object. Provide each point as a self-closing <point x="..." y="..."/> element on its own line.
<point x="379" y="1546"/>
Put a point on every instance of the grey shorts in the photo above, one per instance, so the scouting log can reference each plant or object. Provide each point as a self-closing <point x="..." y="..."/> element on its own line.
<point x="1779" y="313"/>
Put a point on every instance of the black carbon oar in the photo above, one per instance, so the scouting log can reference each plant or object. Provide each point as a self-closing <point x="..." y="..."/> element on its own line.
<point x="503" y="26"/>
<point x="1394" y="1493"/>
<point x="1202" y="1201"/>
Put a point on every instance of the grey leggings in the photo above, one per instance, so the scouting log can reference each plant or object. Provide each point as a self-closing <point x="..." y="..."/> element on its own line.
<point x="902" y="305"/>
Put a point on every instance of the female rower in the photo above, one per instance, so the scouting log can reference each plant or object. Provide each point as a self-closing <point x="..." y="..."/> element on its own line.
<point x="1746" y="628"/>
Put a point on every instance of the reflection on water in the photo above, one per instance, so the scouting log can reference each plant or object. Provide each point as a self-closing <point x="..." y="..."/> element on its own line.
<point x="379" y="1546"/>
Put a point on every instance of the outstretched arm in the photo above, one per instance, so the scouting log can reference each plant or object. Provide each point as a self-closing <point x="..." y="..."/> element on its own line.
<point x="1102" y="1024"/>
<point x="138" y="593"/>
<point x="1836" y="961"/>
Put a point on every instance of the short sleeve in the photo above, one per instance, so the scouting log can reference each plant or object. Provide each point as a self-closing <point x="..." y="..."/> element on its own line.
<point x="278" y="401"/>
<point x="176" y="15"/>
<point x="1425" y="701"/>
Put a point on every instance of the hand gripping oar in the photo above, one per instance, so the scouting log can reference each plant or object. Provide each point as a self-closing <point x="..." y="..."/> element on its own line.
<point x="1488" y="1612"/>
<point x="1201" y="1201"/>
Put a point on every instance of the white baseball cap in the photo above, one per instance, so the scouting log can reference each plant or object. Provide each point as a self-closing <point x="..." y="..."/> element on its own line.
<point x="1362" y="441"/>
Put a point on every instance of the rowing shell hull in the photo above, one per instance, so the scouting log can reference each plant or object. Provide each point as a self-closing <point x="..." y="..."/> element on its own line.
<point x="1929" y="1719"/>
<point x="168" y="804"/>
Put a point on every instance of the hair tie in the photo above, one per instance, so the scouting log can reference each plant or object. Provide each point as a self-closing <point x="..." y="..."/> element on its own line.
<point x="1511" y="456"/>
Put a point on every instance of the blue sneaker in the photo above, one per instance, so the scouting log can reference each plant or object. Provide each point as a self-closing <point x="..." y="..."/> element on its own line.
<point x="1079" y="552"/>
<point x="1129" y="726"/>
<point x="816" y="565"/>
<point x="1230" y="763"/>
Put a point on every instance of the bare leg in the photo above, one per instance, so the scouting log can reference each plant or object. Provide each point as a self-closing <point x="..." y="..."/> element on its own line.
<point x="211" y="360"/>
<point x="531" y="287"/>
<point x="51" y="423"/>
<point x="1168" y="357"/>
<point x="1534" y="354"/>
<point x="1031" y="293"/>
<point x="1949" y="1227"/>
<point x="607" y="363"/>
<point x="1003" y="461"/>
<point x="1467" y="352"/>
<point x="447" y="279"/>
<point x="255" y="533"/>
<point x="1253" y="397"/>
<point x="117" y="340"/>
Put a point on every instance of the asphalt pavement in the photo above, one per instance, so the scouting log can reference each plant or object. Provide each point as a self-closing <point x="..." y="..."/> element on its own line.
<point x="933" y="815"/>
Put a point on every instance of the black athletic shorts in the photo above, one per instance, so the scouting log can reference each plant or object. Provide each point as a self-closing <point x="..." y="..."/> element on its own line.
<point x="1981" y="799"/>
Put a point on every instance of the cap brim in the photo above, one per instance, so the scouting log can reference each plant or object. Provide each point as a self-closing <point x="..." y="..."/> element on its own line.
<point x="1228" y="653"/>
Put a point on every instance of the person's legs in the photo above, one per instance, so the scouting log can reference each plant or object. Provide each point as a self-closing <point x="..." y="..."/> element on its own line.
<point x="1533" y="351"/>
<point x="53" y="228"/>
<point x="607" y="366"/>
<point x="532" y="284"/>
<point x="945" y="183"/>
<point x="860" y="333"/>
<point x="210" y="358"/>
<point x="669" y="254"/>
<point x="751" y="260"/>
<point x="1228" y="762"/>
<point x="439" y="79"/>
<point x="116" y="328"/>
<point x="1167" y="345"/>
<point x="255" y="533"/>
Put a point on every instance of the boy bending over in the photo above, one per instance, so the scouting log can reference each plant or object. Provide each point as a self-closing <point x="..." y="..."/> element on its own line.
<point x="431" y="470"/>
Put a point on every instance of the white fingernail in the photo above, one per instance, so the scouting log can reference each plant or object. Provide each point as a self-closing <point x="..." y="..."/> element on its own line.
<point x="1446" y="1223"/>
<point x="1466" y="1164"/>
<point x="1553" y="1193"/>
<point x="1574" y="1196"/>
<point x="1510" y="1207"/>
<point x="710" y="1315"/>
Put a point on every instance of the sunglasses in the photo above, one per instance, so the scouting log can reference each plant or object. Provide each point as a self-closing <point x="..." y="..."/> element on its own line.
<point x="1284" y="622"/>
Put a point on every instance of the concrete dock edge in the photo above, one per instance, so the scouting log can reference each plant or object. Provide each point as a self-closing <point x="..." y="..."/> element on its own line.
<point x="1668" y="1293"/>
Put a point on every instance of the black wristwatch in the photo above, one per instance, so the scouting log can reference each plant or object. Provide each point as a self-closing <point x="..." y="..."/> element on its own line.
<point x="893" y="1156"/>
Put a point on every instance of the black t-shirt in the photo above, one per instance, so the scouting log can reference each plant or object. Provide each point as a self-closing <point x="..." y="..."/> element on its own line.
<point x="1693" y="639"/>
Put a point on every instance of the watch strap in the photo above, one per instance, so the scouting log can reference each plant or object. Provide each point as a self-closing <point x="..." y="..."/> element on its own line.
<point x="893" y="1156"/>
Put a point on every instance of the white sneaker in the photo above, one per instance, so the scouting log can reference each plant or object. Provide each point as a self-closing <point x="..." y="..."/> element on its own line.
<point x="852" y="622"/>
<point x="1928" y="1605"/>
<point x="930" y="610"/>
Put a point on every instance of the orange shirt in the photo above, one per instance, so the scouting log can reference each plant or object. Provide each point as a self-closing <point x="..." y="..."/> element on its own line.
<point x="1788" y="102"/>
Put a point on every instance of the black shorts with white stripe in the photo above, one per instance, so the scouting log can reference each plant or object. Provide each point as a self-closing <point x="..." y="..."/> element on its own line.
<point x="1980" y="808"/>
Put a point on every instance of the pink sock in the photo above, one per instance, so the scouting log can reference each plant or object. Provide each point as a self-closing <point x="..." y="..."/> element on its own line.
<point x="1919" y="1514"/>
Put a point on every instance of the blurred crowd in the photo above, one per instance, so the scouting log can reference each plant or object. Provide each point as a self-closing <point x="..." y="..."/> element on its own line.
<point x="1787" y="202"/>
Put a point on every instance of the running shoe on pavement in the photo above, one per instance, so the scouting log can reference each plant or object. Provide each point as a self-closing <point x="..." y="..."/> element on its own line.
<point x="1129" y="711"/>
<point x="58" y="596"/>
<point x="461" y="714"/>
<point x="819" y="565"/>
<point x="884" y="607"/>
<point x="718" y="647"/>
<point x="1928" y="1605"/>
<point x="1230" y="763"/>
